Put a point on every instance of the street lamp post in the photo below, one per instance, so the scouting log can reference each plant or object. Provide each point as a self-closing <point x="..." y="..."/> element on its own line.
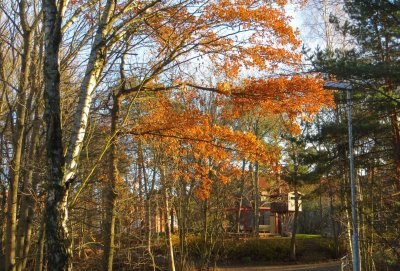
<point x="348" y="88"/>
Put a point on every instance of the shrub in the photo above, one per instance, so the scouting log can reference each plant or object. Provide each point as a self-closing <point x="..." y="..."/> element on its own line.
<point x="253" y="250"/>
<point x="276" y="249"/>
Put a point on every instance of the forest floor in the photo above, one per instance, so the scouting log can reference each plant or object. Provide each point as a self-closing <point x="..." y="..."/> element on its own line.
<point x="328" y="266"/>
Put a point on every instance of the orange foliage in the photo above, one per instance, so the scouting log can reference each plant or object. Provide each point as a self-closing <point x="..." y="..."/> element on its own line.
<point x="204" y="149"/>
<point x="297" y="97"/>
<point x="234" y="34"/>
<point x="199" y="149"/>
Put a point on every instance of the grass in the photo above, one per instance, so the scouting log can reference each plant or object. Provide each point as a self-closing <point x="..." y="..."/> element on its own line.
<point x="307" y="236"/>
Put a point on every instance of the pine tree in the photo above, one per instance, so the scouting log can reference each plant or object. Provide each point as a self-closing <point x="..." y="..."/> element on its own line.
<point x="373" y="68"/>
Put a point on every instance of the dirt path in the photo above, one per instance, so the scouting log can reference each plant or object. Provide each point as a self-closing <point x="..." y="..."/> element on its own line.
<point x="331" y="266"/>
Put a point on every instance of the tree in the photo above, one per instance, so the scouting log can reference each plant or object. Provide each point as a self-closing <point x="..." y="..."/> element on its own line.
<point x="373" y="64"/>
<point x="372" y="67"/>
<point x="123" y="80"/>
<point x="58" y="240"/>
<point x="199" y="37"/>
<point x="23" y="102"/>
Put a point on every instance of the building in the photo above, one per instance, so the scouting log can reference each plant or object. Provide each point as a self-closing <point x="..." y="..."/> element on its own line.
<point x="275" y="210"/>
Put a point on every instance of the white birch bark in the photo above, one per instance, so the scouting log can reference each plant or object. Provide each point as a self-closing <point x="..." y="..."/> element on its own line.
<point x="96" y="63"/>
<point x="95" y="66"/>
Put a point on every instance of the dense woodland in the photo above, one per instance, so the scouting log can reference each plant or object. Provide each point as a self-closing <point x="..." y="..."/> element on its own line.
<point x="128" y="129"/>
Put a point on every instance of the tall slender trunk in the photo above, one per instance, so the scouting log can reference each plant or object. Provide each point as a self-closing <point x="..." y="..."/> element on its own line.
<point x="346" y="205"/>
<point x="168" y="231"/>
<point x="3" y="189"/>
<point x="27" y="202"/>
<point x="147" y="199"/>
<point x="360" y="224"/>
<point x="205" y="236"/>
<point x="11" y="227"/>
<point x="334" y="227"/>
<point x="256" y="200"/>
<point x="294" y="155"/>
<point x="56" y="211"/>
<point x="167" y="211"/>
<point x="40" y="246"/>
<point x="110" y="193"/>
<point x="394" y="120"/>
<point x="27" y="205"/>
<point x="2" y="219"/>
<point x="241" y="191"/>
<point x="320" y="208"/>
<point x="95" y="66"/>
<point x="294" y="229"/>
<point x="182" y="224"/>
<point x="371" y="237"/>
<point x="256" y="211"/>
<point x="149" y="233"/>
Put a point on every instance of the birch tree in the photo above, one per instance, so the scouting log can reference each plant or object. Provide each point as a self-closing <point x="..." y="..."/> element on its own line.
<point x="107" y="32"/>
<point x="161" y="46"/>
<point x="57" y="235"/>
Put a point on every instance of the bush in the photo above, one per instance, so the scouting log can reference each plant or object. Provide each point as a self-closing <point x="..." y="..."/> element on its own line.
<point x="309" y="248"/>
<point x="277" y="249"/>
<point x="257" y="249"/>
<point x="386" y="260"/>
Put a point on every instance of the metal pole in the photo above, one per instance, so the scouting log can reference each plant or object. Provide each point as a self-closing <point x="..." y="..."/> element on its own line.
<point x="356" y="253"/>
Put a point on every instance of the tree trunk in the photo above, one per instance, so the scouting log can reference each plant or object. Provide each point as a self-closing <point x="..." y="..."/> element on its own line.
<point x="334" y="227"/>
<point x="110" y="193"/>
<point x="26" y="212"/>
<point x="205" y="248"/>
<point x="256" y="201"/>
<point x="40" y="246"/>
<point x="296" y="205"/>
<point x="11" y="227"/>
<point x="2" y="220"/>
<point x="182" y="224"/>
<point x="96" y="62"/>
<point x="146" y="201"/>
<point x="241" y="191"/>
<point x="394" y="121"/>
<point x="320" y="208"/>
<point x="149" y="233"/>
<point x="347" y="214"/>
<point x="168" y="231"/>
<point x="56" y="213"/>
<point x="167" y="211"/>
<point x="294" y="229"/>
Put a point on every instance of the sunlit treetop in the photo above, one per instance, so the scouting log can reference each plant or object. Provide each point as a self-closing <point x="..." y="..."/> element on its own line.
<point x="231" y="34"/>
